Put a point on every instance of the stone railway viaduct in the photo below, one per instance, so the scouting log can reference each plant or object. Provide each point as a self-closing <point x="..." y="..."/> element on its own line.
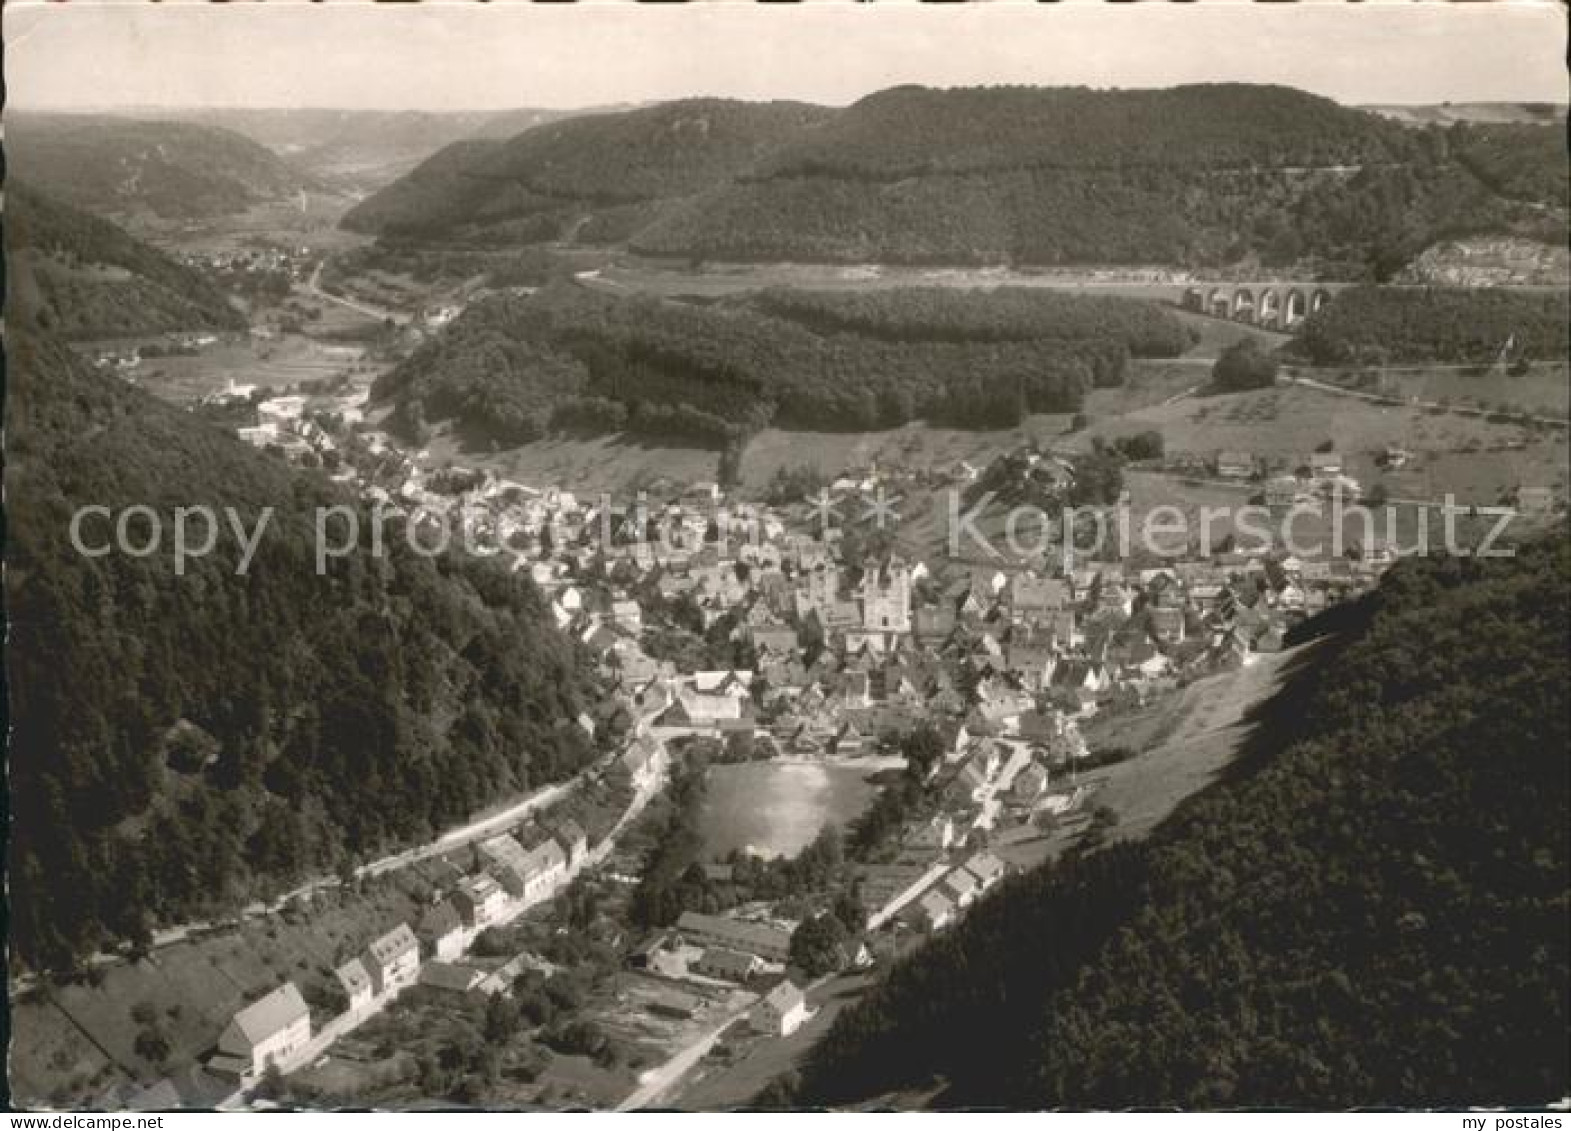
<point x="1273" y="306"/>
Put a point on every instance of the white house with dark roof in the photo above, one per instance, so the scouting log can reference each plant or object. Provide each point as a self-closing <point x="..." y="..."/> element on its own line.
<point x="726" y="964"/>
<point x="393" y="961"/>
<point x="506" y="860"/>
<point x="545" y="868"/>
<point x="781" y="1011"/>
<point x="480" y="899"/>
<point x="986" y="868"/>
<point x="355" y="980"/>
<point x="267" y="1032"/>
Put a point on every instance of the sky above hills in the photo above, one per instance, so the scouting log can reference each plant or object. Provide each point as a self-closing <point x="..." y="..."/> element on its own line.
<point x="463" y="56"/>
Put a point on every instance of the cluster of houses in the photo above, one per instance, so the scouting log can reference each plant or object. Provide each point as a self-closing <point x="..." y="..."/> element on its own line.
<point x="283" y="423"/>
<point x="720" y="948"/>
<point x="846" y="657"/>
<point x="942" y="902"/>
<point x="275" y="1031"/>
<point x="1005" y="662"/>
<point x="293" y="261"/>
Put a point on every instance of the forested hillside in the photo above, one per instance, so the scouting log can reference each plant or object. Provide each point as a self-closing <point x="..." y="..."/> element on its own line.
<point x="1002" y="314"/>
<point x="1208" y="176"/>
<point x="364" y="150"/>
<point x="1372" y="910"/>
<point x="1200" y="176"/>
<point x="181" y="745"/>
<point x="173" y="170"/>
<point x="1527" y="162"/>
<point x="86" y="278"/>
<point x="1461" y="326"/>
<point x="511" y="369"/>
<point x="917" y="131"/>
<point x="601" y="174"/>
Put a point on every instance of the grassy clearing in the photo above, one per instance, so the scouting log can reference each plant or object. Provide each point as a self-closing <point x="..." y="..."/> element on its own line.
<point x="272" y="364"/>
<point x="1201" y="730"/>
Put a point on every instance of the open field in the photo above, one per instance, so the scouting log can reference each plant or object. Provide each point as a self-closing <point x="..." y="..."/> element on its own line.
<point x="276" y="364"/>
<point x="617" y="465"/>
<point x="1185" y="746"/>
<point x="1185" y="741"/>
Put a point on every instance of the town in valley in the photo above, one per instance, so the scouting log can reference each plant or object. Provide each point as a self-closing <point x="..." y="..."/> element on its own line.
<point x="608" y="374"/>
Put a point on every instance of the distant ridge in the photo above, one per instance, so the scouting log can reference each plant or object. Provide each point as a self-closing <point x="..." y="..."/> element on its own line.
<point x="1207" y="176"/>
<point x="116" y="166"/>
<point x="80" y="276"/>
<point x="599" y="176"/>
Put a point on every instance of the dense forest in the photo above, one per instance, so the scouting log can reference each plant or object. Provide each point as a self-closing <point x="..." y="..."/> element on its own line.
<point x="910" y="131"/>
<point x="1001" y="314"/>
<point x="599" y="171"/>
<point x="182" y="745"/>
<point x="1197" y="176"/>
<point x="1280" y="212"/>
<point x="174" y="170"/>
<point x="510" y="369"/>
<point x="87" y="278"/>
<point x="1371" y="909"/>
<point x="1449" y="325"/>
<point x="1525" y="162"/>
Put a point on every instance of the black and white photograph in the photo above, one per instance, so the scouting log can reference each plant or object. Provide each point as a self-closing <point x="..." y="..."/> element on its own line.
<point x="787" y="557"/>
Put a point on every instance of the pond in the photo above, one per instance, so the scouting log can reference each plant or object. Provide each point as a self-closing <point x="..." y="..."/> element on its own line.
<point x="777" y="808"/>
